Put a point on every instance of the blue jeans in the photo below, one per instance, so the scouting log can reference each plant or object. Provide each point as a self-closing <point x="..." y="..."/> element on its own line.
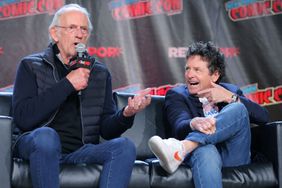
<point x="228" y="146"/>
<point x="42" y="148"/>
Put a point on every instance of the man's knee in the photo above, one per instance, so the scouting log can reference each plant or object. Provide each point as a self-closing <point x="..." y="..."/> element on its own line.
<point x="241" y="113"/>
<point x="239" y="109"/>
<point x="46" y="140"/>
<point x="237" y="112"/>
<point x="127" y="146"/>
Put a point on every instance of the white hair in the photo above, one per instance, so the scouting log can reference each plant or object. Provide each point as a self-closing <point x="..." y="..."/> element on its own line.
<point x="68" y="8"/>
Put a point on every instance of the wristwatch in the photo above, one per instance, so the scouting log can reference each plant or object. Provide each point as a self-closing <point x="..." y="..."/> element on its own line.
<point x="234" y="98"/>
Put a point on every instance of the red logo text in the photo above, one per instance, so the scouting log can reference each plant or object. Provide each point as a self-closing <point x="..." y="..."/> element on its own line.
<point x="255" y="9"/>
<point x="29" y="8"/>
<point x="105" y="52"/>
<point x="121" y="10"/>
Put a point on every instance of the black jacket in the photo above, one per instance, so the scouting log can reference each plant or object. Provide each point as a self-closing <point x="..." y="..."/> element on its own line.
<point x="38" y="94"/>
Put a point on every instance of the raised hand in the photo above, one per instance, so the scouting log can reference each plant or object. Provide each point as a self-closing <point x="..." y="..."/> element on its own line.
<point x="216" y="94"/>
<point x="137" y="103"/>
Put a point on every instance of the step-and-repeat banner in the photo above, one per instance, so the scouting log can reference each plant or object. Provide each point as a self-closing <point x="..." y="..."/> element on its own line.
<point x="143" y="42"/>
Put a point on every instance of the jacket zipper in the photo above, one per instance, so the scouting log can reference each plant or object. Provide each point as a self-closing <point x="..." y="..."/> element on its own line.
<point x="81" y="118"/>
<point x="80" y="106"/>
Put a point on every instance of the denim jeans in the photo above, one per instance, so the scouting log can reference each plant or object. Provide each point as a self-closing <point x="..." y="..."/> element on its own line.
<point x="42" y="148"/>
<point x="228" y="146"/>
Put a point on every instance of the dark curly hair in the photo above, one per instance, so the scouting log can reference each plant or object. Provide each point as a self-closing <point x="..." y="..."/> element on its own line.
<point x="209" y="53"/>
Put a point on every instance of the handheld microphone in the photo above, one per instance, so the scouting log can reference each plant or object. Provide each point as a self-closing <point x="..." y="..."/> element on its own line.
<point x="82" y="59"/>
<point x="80" y="48"/>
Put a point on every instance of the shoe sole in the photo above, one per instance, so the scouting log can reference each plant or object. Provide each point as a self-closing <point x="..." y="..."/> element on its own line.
<point x="156" y="148"/>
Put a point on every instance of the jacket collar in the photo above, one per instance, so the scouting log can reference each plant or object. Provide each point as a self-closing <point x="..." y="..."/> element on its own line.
<point x="49" y="53"/>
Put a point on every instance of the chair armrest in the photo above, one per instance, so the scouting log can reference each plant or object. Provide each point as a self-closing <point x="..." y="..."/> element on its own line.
<point x="5" y="151"/>
<point x="267" y="140"/>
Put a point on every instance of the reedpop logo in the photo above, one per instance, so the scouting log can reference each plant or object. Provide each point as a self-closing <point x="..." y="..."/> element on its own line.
<point x="180" y="52"/>
<point x="105" y="51"/>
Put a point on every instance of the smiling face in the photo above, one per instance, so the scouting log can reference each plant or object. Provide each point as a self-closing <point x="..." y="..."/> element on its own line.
<point x="197" y="74"/>
<point x="66" y="39"/>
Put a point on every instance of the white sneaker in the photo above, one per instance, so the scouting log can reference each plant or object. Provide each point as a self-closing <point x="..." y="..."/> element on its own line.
<point x="170" y="152"/>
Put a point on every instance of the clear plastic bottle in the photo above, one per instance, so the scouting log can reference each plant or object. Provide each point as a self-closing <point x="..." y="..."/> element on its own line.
<point x="209" y="109"/>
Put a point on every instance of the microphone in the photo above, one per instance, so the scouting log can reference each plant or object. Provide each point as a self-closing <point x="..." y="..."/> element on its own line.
<point x="80" y="48"/>
<point x="82" y="59"/>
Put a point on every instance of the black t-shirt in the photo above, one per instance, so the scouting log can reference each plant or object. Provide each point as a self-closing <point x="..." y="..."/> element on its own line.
<point x="67" y="122"/>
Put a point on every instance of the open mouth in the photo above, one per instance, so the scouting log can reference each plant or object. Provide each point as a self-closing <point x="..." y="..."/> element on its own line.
<point x="193" y="83"/>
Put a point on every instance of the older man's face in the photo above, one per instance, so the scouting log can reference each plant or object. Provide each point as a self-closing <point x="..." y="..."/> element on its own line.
<point x="72" y="29"/>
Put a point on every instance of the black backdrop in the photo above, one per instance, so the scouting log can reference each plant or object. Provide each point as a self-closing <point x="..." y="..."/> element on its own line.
<point x="143" y="42"/>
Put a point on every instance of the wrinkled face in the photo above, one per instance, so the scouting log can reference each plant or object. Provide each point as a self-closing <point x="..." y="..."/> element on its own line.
<point x="72" y="29"/>
<point x="197" y="75"/>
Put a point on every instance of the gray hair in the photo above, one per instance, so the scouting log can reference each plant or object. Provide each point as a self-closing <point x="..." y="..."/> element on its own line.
<point x="68" y="8"/>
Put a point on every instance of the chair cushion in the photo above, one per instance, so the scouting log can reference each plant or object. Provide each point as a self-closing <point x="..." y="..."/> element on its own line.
<point x="257" y="175"/>
<point x="81" y="175"/>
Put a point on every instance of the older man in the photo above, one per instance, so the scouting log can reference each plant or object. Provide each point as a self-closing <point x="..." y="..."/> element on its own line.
<point x="62" y="111"/>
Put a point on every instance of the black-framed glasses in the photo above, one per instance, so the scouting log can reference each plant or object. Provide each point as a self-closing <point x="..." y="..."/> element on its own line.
<point x="74" y="28"/>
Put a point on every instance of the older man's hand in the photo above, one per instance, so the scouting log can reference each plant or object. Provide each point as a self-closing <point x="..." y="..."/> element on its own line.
<point x="137" y="103"/>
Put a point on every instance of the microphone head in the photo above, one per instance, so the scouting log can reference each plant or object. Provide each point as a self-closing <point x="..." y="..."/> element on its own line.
<point x="80" y="48"/>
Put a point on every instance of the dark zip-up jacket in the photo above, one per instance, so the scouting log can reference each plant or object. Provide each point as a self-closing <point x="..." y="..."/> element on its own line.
<point x="38" y="94"/>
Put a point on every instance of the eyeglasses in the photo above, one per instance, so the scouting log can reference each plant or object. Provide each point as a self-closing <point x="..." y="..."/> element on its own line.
<point x="74" y="28"/>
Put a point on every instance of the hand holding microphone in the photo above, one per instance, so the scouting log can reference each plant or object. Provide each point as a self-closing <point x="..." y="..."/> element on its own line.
<point x="80" y="66"/>
<point x="82" y="59"/>
<point x="79" y="78"/>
